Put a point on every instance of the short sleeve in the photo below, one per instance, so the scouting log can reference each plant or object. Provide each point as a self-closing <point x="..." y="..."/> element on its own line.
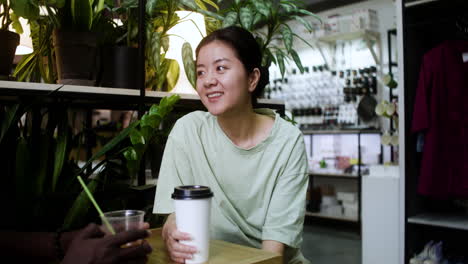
<point x="175" y="171"/>
<point x="421" y="114"/>
<point x="285" y="216"/>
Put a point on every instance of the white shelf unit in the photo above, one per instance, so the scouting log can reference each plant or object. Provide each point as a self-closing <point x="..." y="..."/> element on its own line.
<point x="370" y="37"/>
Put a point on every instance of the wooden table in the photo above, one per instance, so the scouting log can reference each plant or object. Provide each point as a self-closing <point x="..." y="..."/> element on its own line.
<point x="220" y="253"/>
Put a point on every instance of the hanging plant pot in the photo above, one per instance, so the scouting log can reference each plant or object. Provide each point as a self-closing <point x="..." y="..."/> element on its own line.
<point x="76" y="57"/>
<point x="119" y="67"/>
<point x="8" y="43"/>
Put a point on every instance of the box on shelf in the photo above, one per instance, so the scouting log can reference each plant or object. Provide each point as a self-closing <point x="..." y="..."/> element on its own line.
<point x="350" y="213"/>
<point x="329" y="200"/>
<point x="365" y="19"/>
<point x="346" y="196"/>
<point x="333" y="24"/>
<point x="344" y="23"/>
<point x="350" y="205"/>
<point x="332" y="210"/>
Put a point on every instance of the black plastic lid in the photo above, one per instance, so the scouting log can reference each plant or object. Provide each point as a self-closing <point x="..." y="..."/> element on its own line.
<point x="191" y="192"/>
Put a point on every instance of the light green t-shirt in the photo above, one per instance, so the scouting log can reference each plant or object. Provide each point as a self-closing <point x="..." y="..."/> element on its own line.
<point x="259" y="193"/>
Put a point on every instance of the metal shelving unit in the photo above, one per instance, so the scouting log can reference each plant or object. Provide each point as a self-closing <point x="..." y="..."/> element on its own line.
<point x="355" y="177"/>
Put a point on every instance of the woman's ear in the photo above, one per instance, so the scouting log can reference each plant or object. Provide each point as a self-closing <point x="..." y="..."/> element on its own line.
<point x="254" y="78"/>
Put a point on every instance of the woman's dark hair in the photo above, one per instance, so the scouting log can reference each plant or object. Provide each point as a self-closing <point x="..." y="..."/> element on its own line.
<point x="247" y="51"/>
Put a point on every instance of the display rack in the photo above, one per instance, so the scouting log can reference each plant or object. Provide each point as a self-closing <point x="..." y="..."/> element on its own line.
<point x="353" y="177"/>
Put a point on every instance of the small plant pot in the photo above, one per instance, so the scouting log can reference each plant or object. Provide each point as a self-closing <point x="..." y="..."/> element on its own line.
<point x="119" y="67"/>
<point x="76" y="57"/>
<point x="8" y="43"/>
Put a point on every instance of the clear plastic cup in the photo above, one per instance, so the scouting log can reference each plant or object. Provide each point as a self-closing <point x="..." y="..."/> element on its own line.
<point x="124" y="220"/>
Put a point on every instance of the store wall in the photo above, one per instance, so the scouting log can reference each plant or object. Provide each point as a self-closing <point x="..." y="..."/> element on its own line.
<point x="350" y="54"/>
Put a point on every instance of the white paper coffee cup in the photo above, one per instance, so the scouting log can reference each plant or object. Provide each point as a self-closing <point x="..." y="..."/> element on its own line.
<point x="192" y="205"/>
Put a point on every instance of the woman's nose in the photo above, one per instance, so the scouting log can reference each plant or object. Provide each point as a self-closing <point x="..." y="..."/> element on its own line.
<point x="210" y="80"/>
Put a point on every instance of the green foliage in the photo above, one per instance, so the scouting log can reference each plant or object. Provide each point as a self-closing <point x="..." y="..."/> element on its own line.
<point x="8" y="17"/>
<point x="273" y="16"/>
<point x="189" y="64"/>
<point x="145" y="133"/>
<point x="44" y="171"/>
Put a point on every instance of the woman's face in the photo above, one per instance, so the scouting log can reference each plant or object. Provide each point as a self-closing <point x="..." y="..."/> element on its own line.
<point x="222" y="81"/>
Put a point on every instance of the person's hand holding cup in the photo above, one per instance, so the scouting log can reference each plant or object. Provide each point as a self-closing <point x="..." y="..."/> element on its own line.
<point x="124" y="220"/>
<point x="187" y="236"/>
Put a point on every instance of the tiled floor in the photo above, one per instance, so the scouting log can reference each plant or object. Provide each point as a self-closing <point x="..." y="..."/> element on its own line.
<point x="326" y="245"/>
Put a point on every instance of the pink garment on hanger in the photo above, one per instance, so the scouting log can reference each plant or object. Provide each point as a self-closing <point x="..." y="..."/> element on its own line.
<point x="441" y="112"/>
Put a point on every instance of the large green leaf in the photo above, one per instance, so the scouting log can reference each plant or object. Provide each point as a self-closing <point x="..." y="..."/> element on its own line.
<point x="230" y="19"/>
<point x="304" y="22"/>
<point x="189" y="63"/>
<point x="287" y="37"/>
<point x="136" y="137"/>
<point x="211" y="3"/>
<point x="151" y="121"/>
<point x="288" y="7"/>
<point x="130" y="154"/>
<point x="280" y="61"/>
<point x="82" y="14"/>
<point x="262" y="8"/>
<point x="308" y="13"/>
<point x="246" y="17"/>
<point x="80" y="207"/>
<point x="201" y="4"/>
<point x="303" y="40"/>
<point x="155" y="47"/>
<point x="25" y="8"/>
<point x="172" y="73"/>
<point x="297" y="60"/>
<point x="257" y="19"/>
<point x="16" y="23"/>
<point x="99" y="7"/>
<point x="60" y="149"/>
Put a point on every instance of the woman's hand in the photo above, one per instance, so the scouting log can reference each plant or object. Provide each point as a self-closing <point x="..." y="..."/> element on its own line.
<point x="177" y="251"/>
<point x="91" y="245"/>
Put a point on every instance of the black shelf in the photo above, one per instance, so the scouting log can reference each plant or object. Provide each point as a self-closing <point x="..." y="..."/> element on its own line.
<point x="103" y="97"/>
<point x="338" y="218"/>
<point x="334" y="175"/>
<point x="452" y="221"/>
<point x="340" y="131"/>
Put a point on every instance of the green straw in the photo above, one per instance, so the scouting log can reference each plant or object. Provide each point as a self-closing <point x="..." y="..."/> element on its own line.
<point x="90" y="196"/>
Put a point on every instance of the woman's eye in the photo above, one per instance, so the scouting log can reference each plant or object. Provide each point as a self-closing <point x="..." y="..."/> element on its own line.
<point x="199" y="73"/>
<point x="220" y="68"/>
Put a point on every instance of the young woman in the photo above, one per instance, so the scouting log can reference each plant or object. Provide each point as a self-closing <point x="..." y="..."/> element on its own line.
<point x="253" y="160"/>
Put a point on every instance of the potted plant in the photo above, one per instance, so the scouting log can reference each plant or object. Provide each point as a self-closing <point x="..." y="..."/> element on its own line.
<point x="74" y="39"/>
<point x="8" y="40"/>
<point x="120" y="56"/>
<point x="40" y="163"/>
<point x="267" y="20"/>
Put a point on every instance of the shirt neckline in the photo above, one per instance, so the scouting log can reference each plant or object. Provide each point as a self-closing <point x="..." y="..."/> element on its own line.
<point x="260" y="146"/>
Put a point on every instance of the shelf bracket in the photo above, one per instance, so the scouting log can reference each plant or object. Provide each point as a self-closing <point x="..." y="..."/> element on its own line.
<point x="325" y="59"/>
<point x="369" y="43"/>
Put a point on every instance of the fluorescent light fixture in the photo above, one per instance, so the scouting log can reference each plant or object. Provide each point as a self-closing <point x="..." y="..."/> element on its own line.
<point x="191" y="28"/>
